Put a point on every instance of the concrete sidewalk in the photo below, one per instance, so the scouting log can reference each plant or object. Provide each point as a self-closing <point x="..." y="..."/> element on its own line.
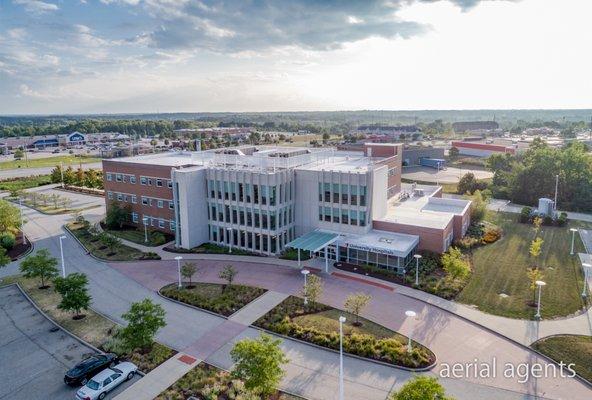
<point x="258" y="308"/>
<point x="160" y="378"/>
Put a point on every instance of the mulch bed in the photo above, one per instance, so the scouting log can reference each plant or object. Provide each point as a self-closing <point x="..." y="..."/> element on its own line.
<point x="356" y="269"/>
<point x="19" y="248"/>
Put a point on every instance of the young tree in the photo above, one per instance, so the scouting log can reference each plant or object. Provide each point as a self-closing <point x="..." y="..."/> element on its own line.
<point x="313" y="289"/>
<point x="79" y="180"/>
<point x="258" y="362"/>
<point x="535" y="247"/>
<point x="111" y="242"/>
<point x="228" y="273"/>
<point x="537" y="222"/>
<point x="117" y="216"/>
<point x="355" y="303"/>
<point x="18" y="154"/>
<point x="467" y="184"/>
<point x="10" y="218"/>
<point x="453" y="152"/>
<point x="74" y="291"/>
<point x="4" y="259"/>
<point x="56" y="174"/>
<point x="478" y="206"/>
<point x="144" y="319"/>
<point x="454" y="264"/>
<point x="69" y="176"/>
<point x="188" y="270"/>
<point x="421" y="388"/>
<point x="40" y="265"/>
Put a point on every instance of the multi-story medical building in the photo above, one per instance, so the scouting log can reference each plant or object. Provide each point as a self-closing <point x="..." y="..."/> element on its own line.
<point x="347" y="206"/>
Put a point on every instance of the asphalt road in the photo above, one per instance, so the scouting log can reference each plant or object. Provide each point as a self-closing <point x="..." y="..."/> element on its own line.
<point x="34" y="354"/>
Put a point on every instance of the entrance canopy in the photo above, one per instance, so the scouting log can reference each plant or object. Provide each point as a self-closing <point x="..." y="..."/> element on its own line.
<point x="313" y="241"/>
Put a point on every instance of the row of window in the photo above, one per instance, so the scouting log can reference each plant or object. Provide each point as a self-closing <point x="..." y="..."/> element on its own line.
<point x="153" y="221"/>
<point x="343" y="216"/>
<point x="144" y="180"/>
<point x="146" y="201"/>
<point x="250" y="193"/>
<point x="250" y="240"/>
<point x="251" y="217"/>
<point x="342" y="194"/>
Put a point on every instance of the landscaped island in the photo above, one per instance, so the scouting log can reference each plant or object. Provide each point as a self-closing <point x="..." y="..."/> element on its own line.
<point x="319" y="324"/>
<point x="569" y="349"/>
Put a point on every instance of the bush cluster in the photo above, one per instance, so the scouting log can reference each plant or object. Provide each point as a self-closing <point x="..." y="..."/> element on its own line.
<point x="226" y="303"/>
<point x="292" y="254"/>
<point x="527" y="216"/>
<point x="7" y="240"/>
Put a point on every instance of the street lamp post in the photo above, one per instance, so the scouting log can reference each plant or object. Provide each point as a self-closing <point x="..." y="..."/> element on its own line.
<point x="229" y="230"/>
<point x="585" y="266"/>
<point x="22" y="222"/>
<point x="417" y="258"/>
<point x="305" y="272"/>
<point x="145" y="220"/>
<point x="62" y="256"/>
<point x="540" y="285"/>
<point x="62" y="173"/>
<point x="179" y="258"/>
<point x="341" y="321"/>
<point x="410" y="314"/>
<point x="573" y="239"/>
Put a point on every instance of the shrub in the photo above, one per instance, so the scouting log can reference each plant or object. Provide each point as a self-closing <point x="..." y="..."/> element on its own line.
<point x="7" y="240"/>
<point x="548" y="220"/>
<point x="158" y="238"/>
<point x="525" y="215"/>
<point x="492" y="234"/>
<point x="562" y="219"/>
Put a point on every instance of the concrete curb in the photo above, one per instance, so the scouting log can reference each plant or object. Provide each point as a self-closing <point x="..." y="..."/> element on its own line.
<point x="424" y="369"/>
<point x="26" y="253"/>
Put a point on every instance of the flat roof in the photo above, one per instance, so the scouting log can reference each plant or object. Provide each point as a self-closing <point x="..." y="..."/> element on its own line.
<point x="313" y="241"/>
<point x="395" y="244"/>
<point x="172" y="159"/>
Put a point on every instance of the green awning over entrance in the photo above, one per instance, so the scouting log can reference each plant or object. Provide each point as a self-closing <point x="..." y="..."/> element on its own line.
<point x="313" y="241"/>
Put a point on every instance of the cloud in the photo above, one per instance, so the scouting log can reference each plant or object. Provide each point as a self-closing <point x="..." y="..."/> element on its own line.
<point x="239" y="26"/>
<point x="36" y="6"/>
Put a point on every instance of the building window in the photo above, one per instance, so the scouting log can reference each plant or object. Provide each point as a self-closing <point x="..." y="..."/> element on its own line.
<point x="133" y="179"/>
<point x="134" y="217"/>
<point x="170" y="184"/>
<point x="171" y="205"/>
<point x="327" y="213"/>
<point x="172" y="225"/>
<point x="143" y="180"/>
<point x="160" y="204"/>
<point x="159" y="183"/>
<point x="149" y="181"/>
<point x="144" y="200"/>
<point x="109" y="177"/>
<point x="110" y="195"/>
<point x="119" y="197"/>
<point x="118" y="177"/>
<point x="134" y="199"/>
<point x="392" y="171"/>
<point x="161" y="223"/>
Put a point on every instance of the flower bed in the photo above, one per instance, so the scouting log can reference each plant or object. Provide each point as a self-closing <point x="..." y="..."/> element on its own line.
<point x="391" y="350"/>
<point x="213" y="297"/>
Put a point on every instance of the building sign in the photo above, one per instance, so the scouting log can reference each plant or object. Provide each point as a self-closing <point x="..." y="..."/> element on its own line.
<point x="76" y="137"/>
<point x="364" y="247"/>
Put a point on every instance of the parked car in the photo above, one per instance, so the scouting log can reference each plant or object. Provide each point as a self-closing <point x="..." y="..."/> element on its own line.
<point x="88" y="368"/>
<point x="105" y="381"/>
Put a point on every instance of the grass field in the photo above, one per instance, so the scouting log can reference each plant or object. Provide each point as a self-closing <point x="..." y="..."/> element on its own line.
<point x="569" y="349"/>
<point x="25" y="183"/>
<point x="48" y="162"/>
<point x="501" y="268"/>
<point x="137" y="236"/>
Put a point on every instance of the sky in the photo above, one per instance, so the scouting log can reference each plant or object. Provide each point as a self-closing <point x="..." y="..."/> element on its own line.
<point x="123" y="56"/>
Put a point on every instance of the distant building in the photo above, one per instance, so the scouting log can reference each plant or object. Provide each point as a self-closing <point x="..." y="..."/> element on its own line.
<point x="413" y="154"/>
<point x="475" y="126"/>
<point x="481" y="149"/>
<point x="389" y="132"/>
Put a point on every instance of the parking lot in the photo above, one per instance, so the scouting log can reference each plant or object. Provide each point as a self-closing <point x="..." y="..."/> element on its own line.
<point x="448" y="175"/>
<point x="34" y="354"/>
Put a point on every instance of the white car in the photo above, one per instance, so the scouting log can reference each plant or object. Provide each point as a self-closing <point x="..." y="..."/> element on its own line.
<point x="106" y="380"/>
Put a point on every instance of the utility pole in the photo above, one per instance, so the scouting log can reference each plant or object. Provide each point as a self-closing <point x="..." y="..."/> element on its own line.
<point x="556" y="187"/>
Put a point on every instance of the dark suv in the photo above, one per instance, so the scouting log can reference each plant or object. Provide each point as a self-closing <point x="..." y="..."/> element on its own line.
<point x="88" y="368"/>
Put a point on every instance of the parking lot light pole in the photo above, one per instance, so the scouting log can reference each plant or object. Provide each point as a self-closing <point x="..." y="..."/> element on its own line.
<point x="305" y="272"/>
<point x="62" y="256"/>
<point x="179" y="258"/>
<point x="540" y="285"/>
<point x="417" y="258"/>
<point x="585" y="267"/>
<point x="22" y="222"/>
<point x="341" y="322"/>
<point x="230" y="235"/>
<point x="573" y="239"/>
<point x="410" y="314"/>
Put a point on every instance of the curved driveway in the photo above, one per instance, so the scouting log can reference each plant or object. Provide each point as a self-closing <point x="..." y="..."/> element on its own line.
<point x="311" y="372"/>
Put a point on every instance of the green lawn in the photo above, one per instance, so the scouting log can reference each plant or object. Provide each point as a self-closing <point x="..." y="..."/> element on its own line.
<point x="136" y="235"/>
<point x="213" y="296"/>
<point x="501" y="268"/>
<point x="25" y="183"/>
<point x="48" y="162"/>
<point x="121" y="253"/>
<point x="94" y="328"/>
<point x="569" y="349"/>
